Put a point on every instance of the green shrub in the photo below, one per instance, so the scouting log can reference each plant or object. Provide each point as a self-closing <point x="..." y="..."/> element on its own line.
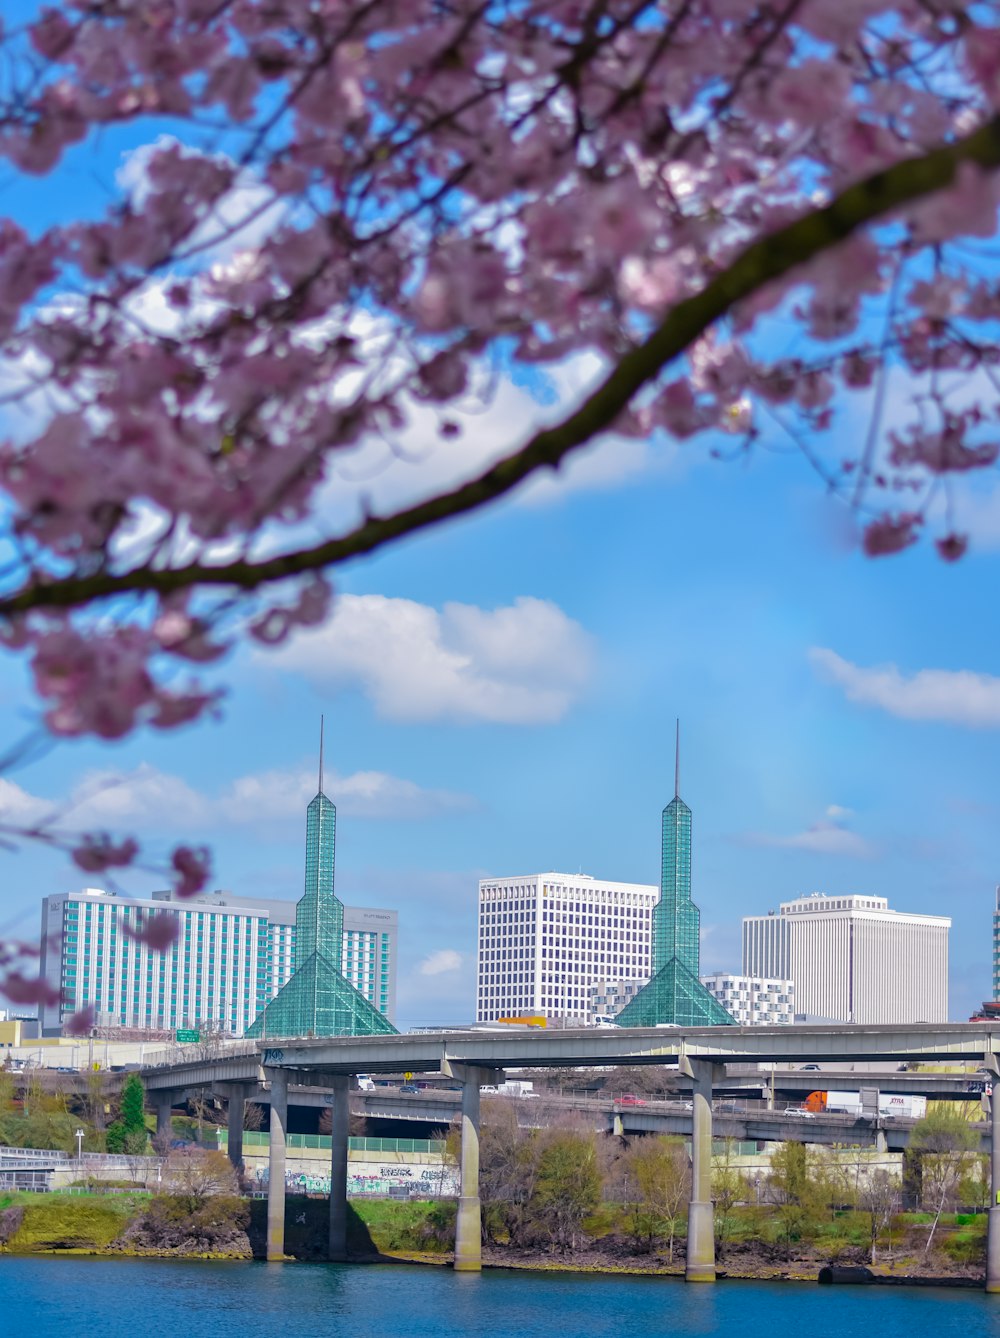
<point x="217" y="1224"/>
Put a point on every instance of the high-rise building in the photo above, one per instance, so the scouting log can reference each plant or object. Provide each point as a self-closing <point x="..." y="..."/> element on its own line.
<point x="318" y="999"/>
<point x="853" y="959"/>
<point x="609" y="997"/>
<point x="231" y="955"/>
<point x="675" y="995"/>
<point x="545" y="938"/>
<point x="753" y="1001"/>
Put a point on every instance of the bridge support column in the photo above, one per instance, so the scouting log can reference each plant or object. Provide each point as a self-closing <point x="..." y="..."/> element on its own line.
<point x="340" y="1112"/>
<point x="700" y="1266"/>
<point x="276" y="1165"/>
<point x="235" y="1102"/>
<point x="993" y="1217"/>
<point x="164" y="1106"/>
<point x="469" y="1222"/>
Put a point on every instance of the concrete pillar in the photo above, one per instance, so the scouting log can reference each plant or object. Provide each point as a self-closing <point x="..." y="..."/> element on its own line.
<point x="340" y="1112"/>
<point x="235" y="1100"/>
<point x="469" y="1223"/>
<point x="993" y="1217"/>
<point x="164" y="1106"/>
<point x="700" y="1266"/>
<point x="881" y="1143"/>
<point x="276" y="1165"/>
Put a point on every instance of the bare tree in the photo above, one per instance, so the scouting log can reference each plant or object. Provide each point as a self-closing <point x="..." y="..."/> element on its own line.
<point x="197" y="1174"/>
<point x="508" y="1172"/>
<point x="879" y="1197"/>
<point x="660" y="1172"/>
<point x="944" y="1143"/>
<point x="729" y="1187"/>
<point x="95" y="1099"/>
<point x="253" y="1116"/>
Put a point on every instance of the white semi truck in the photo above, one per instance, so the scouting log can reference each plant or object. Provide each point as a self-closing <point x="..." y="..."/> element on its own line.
<point x="849" y="1103"/>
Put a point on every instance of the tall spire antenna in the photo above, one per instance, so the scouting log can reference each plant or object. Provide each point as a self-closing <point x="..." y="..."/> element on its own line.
<point x="677" y="760"/>
<point x="321" y="754"/>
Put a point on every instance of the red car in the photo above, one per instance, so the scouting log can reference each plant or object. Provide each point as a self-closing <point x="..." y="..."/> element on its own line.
<point x="628" y="1099"/>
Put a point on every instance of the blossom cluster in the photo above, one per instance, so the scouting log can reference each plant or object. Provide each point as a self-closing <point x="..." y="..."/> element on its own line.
<point x="344" y="210"/>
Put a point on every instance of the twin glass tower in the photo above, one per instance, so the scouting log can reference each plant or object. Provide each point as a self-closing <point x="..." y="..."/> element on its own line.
<point x="318" y="1000"/>
<point x="675" y="995"/>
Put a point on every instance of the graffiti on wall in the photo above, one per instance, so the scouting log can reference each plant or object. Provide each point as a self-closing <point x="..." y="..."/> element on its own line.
<point x="425" y="1182"/>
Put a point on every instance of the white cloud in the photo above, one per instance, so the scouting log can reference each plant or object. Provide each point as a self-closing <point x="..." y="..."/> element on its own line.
<point x="955" y="696"/>
<point x="836" y="813"/>
<point x="143" y="797"/>
<point x="18" y="808"/>
<point x="149" y="800"/>
<point x="523" y="664"/>
<point x="829" y="836"/>
<point x="445" y="959"/>
<point x="365" y="794"/>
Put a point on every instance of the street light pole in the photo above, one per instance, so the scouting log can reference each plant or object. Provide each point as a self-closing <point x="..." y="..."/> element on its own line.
<point x="79" y="1145"/>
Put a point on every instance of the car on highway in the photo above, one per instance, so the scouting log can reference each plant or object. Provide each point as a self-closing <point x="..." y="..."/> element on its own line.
<point x="799" y="1112"/>
<point x="409" y="1089"/>
<point x="630" y="1099"/>
<point x="810" y="1068"/>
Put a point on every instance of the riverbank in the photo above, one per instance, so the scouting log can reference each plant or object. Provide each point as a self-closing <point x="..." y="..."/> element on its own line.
<point x="422" y="1232"/>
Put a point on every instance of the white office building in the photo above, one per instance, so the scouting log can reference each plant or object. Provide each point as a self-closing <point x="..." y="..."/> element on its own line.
<point x="546" y="938"/>
<point x="230" y="958"/>
<point x="753" y="1001"/>
<point x="609" y="997"/>
<point x="853" y="959"/>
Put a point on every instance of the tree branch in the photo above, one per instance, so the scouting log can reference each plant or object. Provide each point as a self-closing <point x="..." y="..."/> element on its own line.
<point x="762" y="262"/>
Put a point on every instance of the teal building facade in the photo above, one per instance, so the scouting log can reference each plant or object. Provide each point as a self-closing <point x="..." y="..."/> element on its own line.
<point x="675" y="995"/>
<point x="318" y="999"/>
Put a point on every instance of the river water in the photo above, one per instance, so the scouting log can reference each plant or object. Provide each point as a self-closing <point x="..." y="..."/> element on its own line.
<point x="139" y="1298"/>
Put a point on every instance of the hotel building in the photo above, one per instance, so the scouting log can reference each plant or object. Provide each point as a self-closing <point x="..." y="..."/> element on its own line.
<point x="232" y="955"/>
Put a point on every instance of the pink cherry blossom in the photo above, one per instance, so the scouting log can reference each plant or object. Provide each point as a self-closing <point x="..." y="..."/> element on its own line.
<point x="891" y="534"/>
<point x="192" y="868"/>
<point x="157" y="932"/>
<point x="22" y="989"/>
<point x="81" y="1023"/>
<point x="97" y="853"/>
<point x="350" y="222"/>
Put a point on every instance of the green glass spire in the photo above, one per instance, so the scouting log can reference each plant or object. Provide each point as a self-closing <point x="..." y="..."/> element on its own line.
<point x="675" y="994"/>
<point x="319" y="916"/>
<point x="317" y="1000"/>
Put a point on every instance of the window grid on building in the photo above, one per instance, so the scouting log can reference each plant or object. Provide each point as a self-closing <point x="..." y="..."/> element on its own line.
<point x="544" y="939"/>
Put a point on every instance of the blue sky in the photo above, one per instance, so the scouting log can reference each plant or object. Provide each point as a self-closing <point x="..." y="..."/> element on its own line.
<point x="697" y="591"/>
<point x="500" y="696"/>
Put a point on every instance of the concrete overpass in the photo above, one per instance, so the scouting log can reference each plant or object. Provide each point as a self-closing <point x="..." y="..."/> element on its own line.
<point x="477" y="1058"/>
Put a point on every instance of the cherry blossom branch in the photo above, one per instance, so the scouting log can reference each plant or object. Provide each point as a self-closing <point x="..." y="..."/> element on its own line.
<point x="874" y="198"/>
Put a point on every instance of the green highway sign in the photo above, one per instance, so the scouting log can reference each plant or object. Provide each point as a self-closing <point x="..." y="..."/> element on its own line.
<point x="182" y="1036"/>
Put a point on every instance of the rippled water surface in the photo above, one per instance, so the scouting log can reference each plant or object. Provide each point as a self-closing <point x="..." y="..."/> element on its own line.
<point x="62" y="1298"/>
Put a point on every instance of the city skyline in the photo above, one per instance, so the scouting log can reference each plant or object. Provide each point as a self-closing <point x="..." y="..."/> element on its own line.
<point x="489" y="708"/>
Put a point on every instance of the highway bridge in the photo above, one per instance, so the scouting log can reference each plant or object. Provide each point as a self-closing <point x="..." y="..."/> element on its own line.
<point x="474" y="1059"/>
<point x="731" y="1117"/>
